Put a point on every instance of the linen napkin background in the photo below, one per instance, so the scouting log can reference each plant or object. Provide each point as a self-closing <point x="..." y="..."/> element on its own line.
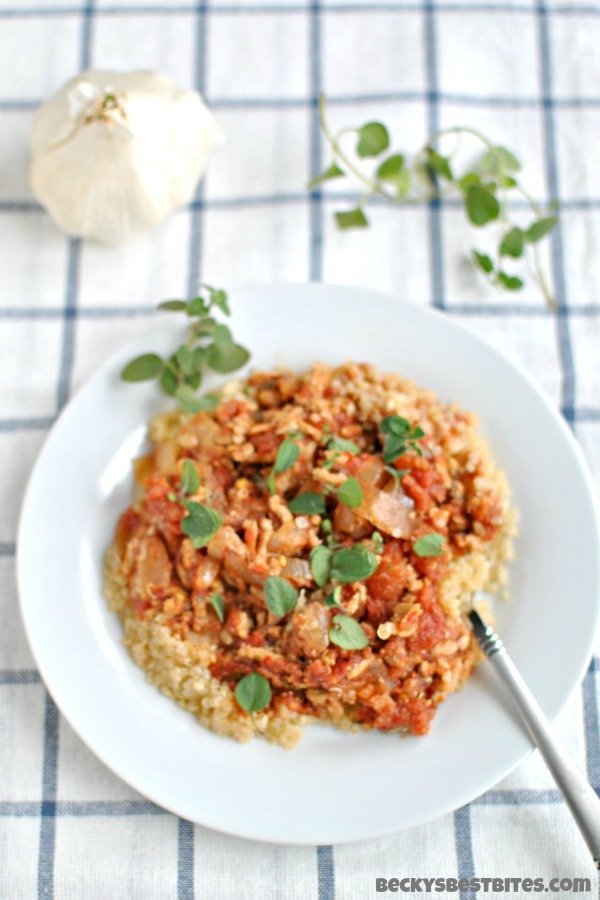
<point x="528" y="74"/>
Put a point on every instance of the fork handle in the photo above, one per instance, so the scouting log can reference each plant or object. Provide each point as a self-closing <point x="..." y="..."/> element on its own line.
<point x="580" y="796"/>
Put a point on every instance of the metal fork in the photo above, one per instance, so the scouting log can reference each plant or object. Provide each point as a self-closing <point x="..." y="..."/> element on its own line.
<point x="580" y="796"/>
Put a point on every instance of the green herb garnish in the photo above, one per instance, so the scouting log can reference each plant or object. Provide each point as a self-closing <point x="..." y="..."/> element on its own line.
<point x="335" y="598"/>
<point x="253" y="692"/>
<point x="396" y="473"/>
<point x="400" y="436"/>
<point x="350" y="493"/>
<point x="430" y="545"/>
<point x="201" y="524"/>
<point x="341" y="445"/>
<point x="353" y="564"/>
<point x="190" y="480"/>
<point x="484" y="188"/>
<point x="210" y="345"/>
<point x="377" y="542"/>
<point x="216" y="601"/>
<point x="307" y="504"/>
<point x="320" y="565"/>
<point x="280" y="595"/>
<point x="287" y="454"/>
<point x="347" y="634"/>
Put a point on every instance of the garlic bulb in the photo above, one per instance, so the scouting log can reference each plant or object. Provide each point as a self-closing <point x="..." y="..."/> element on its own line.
<point x="113" y="152"/>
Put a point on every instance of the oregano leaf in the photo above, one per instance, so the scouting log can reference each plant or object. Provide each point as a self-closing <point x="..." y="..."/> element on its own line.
<point x="190" y="480"/>
<point x="390" y="167"/>
<point x="352" y="218"/>
<point x="333" y="171"/>
<point x="482" y="207"/>
<point x="320" y="565"/>
<point x="512" y="243"/>
<point x="307" y="504"/>
<point x="353" y="564"/>
<point x="350" y="493"/>
<point x="142" y="368"/>
<point x="373" y="139"/>
<point x="540" y="229"/>
<point x="173" y="305"/>
<point x="483" y="261"/>
<point x="430" y="545"/>
<point x="225" y="359"/>
<point x="440" y="164"/>
<point x="510" y="282"/>
<point x="188" y="399"/>
<point x="280" y="595"/>
<point x="348" y="634"/>
<point x="216" y="601"/>
<point x="253" y="692"/>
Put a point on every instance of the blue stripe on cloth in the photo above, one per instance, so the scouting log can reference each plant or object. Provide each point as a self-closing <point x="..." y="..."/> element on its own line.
<point x="275" y="8"/>
<point x="185" y="841"/>
<point x="87" y="312"/>
<point x="195" y="248"/>
<point x="83" y="808"/>
<point x="506" y="309"/>
<point x="435" y="216"/>
<point x="68" y="341"/>
<point x="523" y="797"/>
<point x="325" y="867"/>
<point x="47" y="808"/>
<point x="20" y="676"/>
<point x="27" y="424"/>
<point x="592" y="724"/>
<point x="316" y="161"/>
<point x="463" y="846"/>
<point x="86" y="35"/>
<point x="562" y="321"/>
<point x="522" y="310"/>
<point x="185" y="860"/>
<point x="325" y="873"/>
<point x="7" y="548"/>
<point x="578" y="204"/>
<point x="279" y="103"/>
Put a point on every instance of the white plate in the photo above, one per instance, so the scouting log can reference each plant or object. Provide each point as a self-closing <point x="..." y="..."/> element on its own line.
<point x="333" y="787"/>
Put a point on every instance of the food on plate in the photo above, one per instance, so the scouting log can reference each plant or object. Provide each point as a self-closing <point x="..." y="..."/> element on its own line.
<point x="303" y="551"/>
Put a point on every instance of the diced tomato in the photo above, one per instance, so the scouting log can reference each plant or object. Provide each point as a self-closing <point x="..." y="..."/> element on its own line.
<point x="432" y="628"/>
<point x="126" y="528"/>
<point x="229" y="410"/>
<point x="389" y="581"/>
<point x="265" y="443"/>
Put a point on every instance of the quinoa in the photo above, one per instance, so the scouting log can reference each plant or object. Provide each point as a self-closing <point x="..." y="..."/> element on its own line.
<point x="418" y="648"/>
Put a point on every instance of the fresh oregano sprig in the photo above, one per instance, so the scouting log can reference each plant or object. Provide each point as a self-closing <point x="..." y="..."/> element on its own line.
<point x="400" y="436"/>
<point x="201" y="522"/>
<point x="484" y="189"/>
<point x="346" y="565"/>
<point x="210" y="345"/>
<point x="308" y="504"/>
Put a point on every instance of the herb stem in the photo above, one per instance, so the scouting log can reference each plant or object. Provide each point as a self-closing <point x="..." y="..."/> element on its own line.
<point x="425" y="190"/>
<point x="374" y="186"/>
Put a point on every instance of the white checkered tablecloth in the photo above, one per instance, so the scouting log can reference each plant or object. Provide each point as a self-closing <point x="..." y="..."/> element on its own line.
<point x="527" y="73"/>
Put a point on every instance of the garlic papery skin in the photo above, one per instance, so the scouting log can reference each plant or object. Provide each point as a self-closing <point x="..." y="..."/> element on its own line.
<point x="113" y="153"/>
